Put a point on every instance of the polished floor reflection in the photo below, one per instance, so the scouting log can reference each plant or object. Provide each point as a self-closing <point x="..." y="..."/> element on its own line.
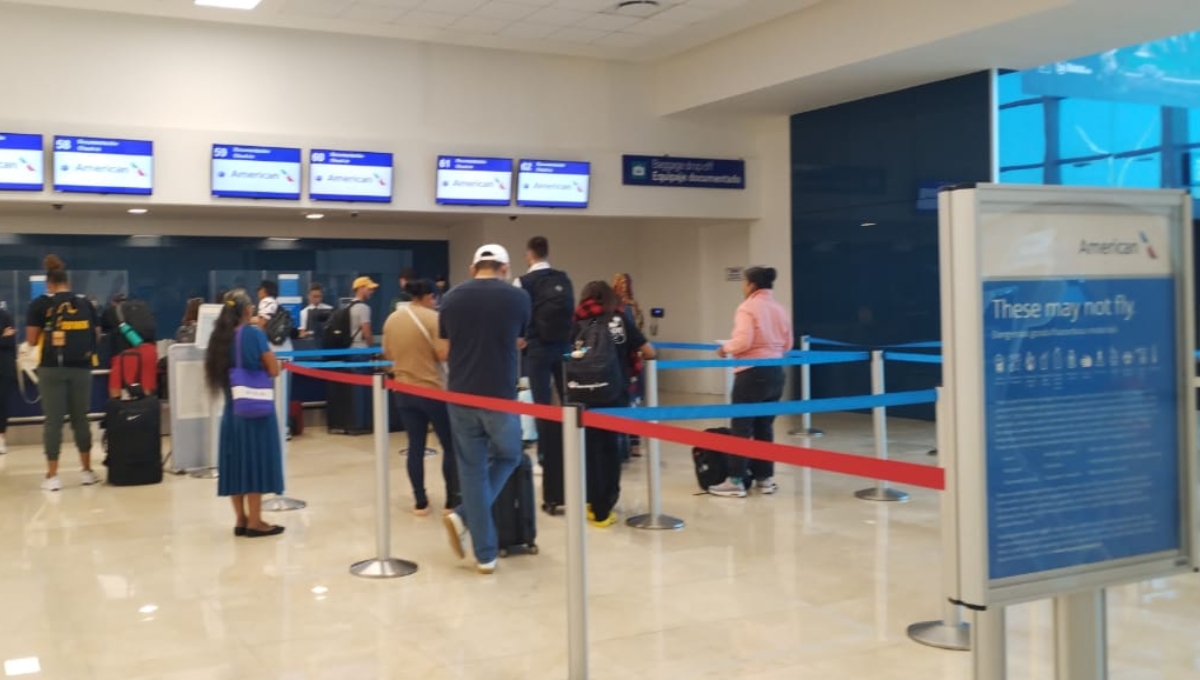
<point x="129" y="583"/>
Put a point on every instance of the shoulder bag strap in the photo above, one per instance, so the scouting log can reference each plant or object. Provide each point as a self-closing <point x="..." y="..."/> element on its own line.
<point x="428" y="337"/>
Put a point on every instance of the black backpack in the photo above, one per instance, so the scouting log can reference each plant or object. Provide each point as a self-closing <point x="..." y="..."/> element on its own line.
<point x="281" y="327"/>
<point x="70" y="333"/>
<point x="712" y="467"/>
<point x="337" y="333"/>
<point x="595" y="377"/>
<point x="553" y="304"/>
<point x="137" y="314"/>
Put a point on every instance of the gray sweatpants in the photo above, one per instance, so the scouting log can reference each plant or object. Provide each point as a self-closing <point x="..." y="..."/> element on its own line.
<point x="65" y="391"/>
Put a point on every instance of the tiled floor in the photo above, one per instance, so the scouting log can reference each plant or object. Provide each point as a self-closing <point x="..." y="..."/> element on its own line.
<point x="131" y="583"/>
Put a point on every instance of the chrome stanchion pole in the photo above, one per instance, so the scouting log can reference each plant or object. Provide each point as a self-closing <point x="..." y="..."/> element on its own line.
<point x="951" y="632"/>
<point x="654" y="519"/>
<point x="806" y="429"/>
<point x="383" y="565"/>
<point x="575" y="497"/>
<point x="282" y="503"/>
<point x="1081" y="636"/>
<point x="729" y="378"/>
<point x="216" y="405"/>
<point x="881" y="491"/>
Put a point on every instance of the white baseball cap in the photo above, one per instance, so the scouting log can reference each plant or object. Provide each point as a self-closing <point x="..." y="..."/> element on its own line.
<point x="492" y="252"/>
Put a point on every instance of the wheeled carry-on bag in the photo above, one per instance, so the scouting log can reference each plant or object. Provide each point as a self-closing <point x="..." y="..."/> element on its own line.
<point x="345" y="410"/>
<point x="133" y="437"/>
<point x="515" y="512"/>
<point x="550" y="438"/>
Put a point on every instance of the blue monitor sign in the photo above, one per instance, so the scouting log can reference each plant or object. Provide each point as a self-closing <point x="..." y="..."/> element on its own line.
<point x="474" y="181"/>
<point x="96" y="165"/>
<point x="675" y="171"/>
<point x="350" y="176"/>
<point x="553" y="184"/>
<point x="21" y="162"/>
<point x="1082" y="402"/>
<point x="255" y="172"/>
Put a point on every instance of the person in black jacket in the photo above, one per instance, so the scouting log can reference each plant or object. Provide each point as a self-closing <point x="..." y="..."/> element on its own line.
<point x="8" y="371"/>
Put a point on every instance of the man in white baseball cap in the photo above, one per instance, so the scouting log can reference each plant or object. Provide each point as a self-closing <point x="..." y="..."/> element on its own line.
<point x="481" y="323"/>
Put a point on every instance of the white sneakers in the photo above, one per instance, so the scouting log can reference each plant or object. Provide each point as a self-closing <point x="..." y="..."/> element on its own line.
<point x="731" y="488"/>
<point x="87" y="478"/>
<point x="456" y="531"/>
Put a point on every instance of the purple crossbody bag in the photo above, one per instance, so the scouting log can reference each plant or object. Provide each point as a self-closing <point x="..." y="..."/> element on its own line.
<point x="253" y="390"/>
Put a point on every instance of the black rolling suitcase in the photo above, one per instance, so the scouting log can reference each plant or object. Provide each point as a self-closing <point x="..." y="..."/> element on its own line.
<point x="345" y="410"/>
<point x="550" y="438"/>
<point x="514" y="512"/>
<point x="133" y="438"/>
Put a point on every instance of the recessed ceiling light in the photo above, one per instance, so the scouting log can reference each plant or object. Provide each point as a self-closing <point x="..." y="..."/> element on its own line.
<point x="282" y="238"/>
<point x="315" y="216"/>
<point x="138" y="211"/>
<point x="867" y="224"/>
<point x="229" y="4"/>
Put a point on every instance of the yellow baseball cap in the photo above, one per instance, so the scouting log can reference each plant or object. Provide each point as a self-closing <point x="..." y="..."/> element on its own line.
<point x="365" y="282"/>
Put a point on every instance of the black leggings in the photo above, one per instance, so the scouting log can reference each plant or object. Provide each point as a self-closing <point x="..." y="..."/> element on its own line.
<point x="757" y="385"/>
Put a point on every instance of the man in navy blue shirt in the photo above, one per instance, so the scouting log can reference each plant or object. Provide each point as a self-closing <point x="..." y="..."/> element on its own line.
<point x="482" y="323"/>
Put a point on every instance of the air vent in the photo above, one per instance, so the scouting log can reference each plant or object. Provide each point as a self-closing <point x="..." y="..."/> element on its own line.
<point x="637" y="8"/>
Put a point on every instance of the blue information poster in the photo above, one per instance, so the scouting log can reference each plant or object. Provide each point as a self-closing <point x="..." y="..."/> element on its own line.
<point x="289" y="295"/>
<point x="1081" y="393"/>
<point x="21" y="162"/>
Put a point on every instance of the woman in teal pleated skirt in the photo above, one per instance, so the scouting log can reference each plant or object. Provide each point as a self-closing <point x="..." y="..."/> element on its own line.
<point x="249" y="453"/>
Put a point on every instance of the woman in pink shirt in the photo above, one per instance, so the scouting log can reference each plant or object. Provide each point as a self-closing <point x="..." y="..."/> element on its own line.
<point x="762" y="329"/>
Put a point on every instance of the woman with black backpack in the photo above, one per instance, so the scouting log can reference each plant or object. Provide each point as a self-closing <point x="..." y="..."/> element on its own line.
<point x="616" y="347"/>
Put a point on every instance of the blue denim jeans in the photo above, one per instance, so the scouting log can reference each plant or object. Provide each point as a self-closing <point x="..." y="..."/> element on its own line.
<point x="488" y="445"/>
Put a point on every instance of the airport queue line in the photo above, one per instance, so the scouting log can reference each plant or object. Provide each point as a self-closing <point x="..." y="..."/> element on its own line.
<point x="644" y="422"/>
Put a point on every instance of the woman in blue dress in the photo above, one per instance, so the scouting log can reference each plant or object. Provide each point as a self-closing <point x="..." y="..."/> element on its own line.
<point x="250" y="456"/>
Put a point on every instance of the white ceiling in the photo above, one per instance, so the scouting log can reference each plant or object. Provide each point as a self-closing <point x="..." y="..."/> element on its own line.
<point x="595" y="28"/>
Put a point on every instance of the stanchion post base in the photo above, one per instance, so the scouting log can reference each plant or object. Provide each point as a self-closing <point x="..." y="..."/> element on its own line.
<point x="283" y="504"/>
<point x="383" y="568"/>
<point x="810" y="432"/>
<point x="942" y="635"/>
<point x="204" y="473"/>
<point x="655" y="522"/>
<point x="886" y="494"/>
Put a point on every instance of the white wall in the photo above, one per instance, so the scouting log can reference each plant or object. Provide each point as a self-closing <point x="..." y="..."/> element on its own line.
<point x="189" y="85"/>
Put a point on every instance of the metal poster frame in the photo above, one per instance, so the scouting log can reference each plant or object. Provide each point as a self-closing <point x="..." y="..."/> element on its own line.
<point x="965" y="213"/>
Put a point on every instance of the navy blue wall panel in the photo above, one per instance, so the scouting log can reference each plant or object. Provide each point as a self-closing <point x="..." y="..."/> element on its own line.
<point x="864" y="252"/>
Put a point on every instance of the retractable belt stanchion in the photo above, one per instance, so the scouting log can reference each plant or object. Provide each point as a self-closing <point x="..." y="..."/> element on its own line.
<point x="383" y="565"/>
<point x="654" y="518"/>
<point x="989" y="658"/>
<point x="806" y="429"/>
<point x="950" y="632"/>
<point x="729" y="379"/>
<point x="282" y="503"/>
<point x="881" y="491"/>
<point x="575" y="497"/>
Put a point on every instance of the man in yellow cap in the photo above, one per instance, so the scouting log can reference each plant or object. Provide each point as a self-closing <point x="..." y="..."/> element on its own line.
<point x="360" y="312"/>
